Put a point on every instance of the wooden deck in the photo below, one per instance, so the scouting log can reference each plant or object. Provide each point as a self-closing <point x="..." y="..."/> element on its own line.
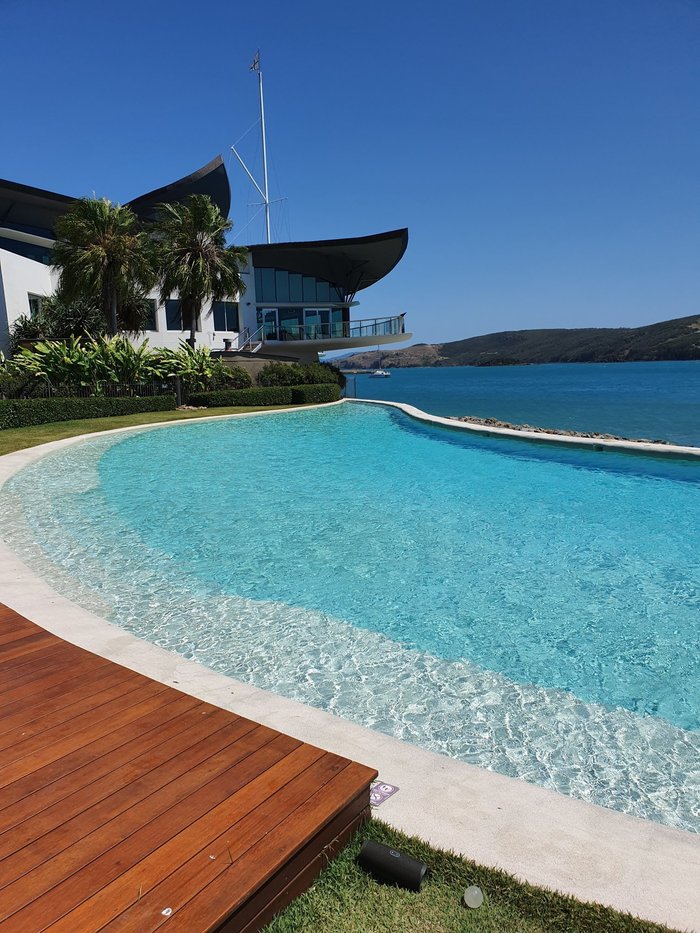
<point x="127" y="805"/>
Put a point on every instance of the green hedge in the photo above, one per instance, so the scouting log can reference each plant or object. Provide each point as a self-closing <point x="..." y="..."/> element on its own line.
<point x="19" y="413"/>
<point x="267" y="395"/>
<point x="315" y="394"/>
<point x="257" y="395"/>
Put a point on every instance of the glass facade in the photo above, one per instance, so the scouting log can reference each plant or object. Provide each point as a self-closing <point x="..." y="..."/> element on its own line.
<point x="28" y="250"/>
<point x="282" y="287"/>
<point x="225" y="316"/>
<point x="304" y="323"/>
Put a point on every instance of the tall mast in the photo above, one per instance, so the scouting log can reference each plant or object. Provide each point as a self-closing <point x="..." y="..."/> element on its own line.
<point x="266" y="199"/>
<point x="264" y="194"/>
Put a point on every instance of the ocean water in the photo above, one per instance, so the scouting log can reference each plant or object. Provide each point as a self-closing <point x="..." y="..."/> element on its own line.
<point x="527" y="610"/>
<point x="649" y="400"/>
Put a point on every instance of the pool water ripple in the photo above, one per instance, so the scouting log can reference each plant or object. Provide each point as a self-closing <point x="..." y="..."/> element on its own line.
<point x="531" y="615"/>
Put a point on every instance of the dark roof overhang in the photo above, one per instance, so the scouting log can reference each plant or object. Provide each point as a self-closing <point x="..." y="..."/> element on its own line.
<point x="31" y="210"/>
<point x="35" y="211"/>
<point x="351" y="264"/>
<point x="211" y="179"/>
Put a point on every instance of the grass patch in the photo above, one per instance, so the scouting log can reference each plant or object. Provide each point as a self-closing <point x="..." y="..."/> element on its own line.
<point x="345" y="900"/>
<point x="12" y="439"/>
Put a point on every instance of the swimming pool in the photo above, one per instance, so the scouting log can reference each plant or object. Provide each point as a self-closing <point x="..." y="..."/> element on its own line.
<point x="523" y="608"/>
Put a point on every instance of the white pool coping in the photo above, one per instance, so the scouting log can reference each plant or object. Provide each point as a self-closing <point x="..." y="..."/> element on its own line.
<point x="539" y="835"/>
<point x="647" y="448"/>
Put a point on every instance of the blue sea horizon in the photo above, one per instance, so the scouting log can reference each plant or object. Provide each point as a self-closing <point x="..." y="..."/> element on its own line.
<point x="655" y="400"/>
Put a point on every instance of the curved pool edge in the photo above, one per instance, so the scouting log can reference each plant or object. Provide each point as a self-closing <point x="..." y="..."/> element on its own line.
<point x="542" y="836"/>
<point x="646" y="448"/>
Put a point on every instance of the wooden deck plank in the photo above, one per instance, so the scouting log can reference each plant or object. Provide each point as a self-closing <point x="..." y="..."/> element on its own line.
<point x="108" y="767"/>
<point x="44" y="716"/>
<point x="54" y="667"/>
<point x="212" y="904"/>
<point x="87" y="757"/>
<point x="133" y="772"/>
<point x="114" y="787"/>
<point x="138" y="703"/>
<point x="66" y="736"/>
<point x="56" y="855"/>
<point x="213" y="851"/>
<point x="39" y="702"/>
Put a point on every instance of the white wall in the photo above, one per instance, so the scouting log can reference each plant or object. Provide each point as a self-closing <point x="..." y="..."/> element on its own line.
<point x="19" y="277"/>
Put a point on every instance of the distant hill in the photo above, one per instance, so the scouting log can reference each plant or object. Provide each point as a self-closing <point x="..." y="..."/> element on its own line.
<point x="678" y="339"/>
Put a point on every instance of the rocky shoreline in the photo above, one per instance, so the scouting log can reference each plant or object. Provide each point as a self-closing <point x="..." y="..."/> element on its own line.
<point x="495" y="423"/>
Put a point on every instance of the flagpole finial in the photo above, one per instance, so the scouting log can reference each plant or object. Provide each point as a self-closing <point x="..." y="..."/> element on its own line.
<point x="256" y="62"/>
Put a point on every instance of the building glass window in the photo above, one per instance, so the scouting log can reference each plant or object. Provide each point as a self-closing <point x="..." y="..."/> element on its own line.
<point x="173" y="315"/>
<point x="152" y="321"/>
<point x="225" y="316"/>
<point x="34" y="305"/>
<point x="282" y="285"/>
<point x="295" y="288"/>
<point x="278" y="285"/>
<point x="28" y="250"/>
<point x="309" y="288"/>
<point x="268" y="290"/>
<point x="291" y="323"/>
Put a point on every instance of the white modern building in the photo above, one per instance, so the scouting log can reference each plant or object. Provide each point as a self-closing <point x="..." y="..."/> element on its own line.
<point x="298" y="296"/>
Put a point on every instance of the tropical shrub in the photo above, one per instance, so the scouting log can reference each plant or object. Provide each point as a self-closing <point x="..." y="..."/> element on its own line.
<point x="280" y="374"/>
<point x="195" y="367"/>
<point x="115" y="359"/>
<point x="229" y="377"/>
<point x="257" y="395"/>
<point x="59" y="362"/>
<point x="20" y="385"/>
<point x="294" y="374"/>
<point x="316" y="393"/>
<point x="323" y="374"/>
<point x="19" y="413"/>
<point x="25" y="328"/>
<point x="91" y="365"/>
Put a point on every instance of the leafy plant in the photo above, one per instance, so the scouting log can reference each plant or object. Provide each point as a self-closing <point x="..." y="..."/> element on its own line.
<point x="294" y="374"/>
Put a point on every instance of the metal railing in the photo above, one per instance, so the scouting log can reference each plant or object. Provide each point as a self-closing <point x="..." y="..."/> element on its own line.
<point x="337" y="330"/>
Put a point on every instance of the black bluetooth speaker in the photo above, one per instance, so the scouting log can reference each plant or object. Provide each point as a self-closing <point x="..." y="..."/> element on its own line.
<point x="390" y="866"/>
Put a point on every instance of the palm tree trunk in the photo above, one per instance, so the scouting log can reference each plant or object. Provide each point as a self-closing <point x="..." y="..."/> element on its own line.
<point x="192" y="339"/>
<point x="113" y="324"/>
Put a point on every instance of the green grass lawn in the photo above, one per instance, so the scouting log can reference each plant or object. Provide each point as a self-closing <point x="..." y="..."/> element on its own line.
<point x="20" y="438"/>
<point x="345" y="900"/>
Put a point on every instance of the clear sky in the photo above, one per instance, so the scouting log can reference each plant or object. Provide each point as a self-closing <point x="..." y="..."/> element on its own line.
<point x="545" y="154"/>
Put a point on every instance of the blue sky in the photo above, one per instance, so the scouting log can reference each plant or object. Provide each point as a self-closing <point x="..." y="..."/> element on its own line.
<point x="545" y="154"/>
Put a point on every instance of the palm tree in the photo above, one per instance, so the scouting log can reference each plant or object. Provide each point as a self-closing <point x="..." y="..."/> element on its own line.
<point x="193" y="258"/>
<point x="101" y="253"/>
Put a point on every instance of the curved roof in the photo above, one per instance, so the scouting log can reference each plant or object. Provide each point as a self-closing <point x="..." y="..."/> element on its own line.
<point x="351" y="264"/>
<point x="35" y="211"/>
<point x="31" y="210"/>
<point x="211" y="179"/>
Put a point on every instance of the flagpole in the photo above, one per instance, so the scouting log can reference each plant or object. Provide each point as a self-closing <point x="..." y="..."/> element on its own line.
<point x="264" y="192"/>
<point x="266" y="197"/>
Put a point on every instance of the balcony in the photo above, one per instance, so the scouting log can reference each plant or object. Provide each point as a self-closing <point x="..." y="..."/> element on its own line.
<point x="306" y="341"/>
<point x="368" y="329"/>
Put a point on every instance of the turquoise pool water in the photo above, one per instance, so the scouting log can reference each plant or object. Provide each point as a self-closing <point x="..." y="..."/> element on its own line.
<point x="527" y="609"/>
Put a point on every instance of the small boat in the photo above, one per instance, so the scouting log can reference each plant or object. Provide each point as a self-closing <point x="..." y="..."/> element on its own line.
<point x="379" y="374"/>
